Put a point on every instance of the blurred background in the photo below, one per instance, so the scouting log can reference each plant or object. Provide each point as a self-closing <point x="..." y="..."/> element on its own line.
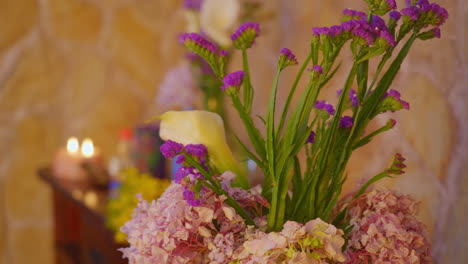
<point x="88" y="68"/>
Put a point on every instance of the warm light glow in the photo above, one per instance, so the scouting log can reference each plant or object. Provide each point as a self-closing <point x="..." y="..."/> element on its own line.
<point x="73" y="145"/>
<point x="87" y="148"/>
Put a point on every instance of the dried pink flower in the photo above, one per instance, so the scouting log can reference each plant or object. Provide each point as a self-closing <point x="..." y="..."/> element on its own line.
<point x="385" y="230"/>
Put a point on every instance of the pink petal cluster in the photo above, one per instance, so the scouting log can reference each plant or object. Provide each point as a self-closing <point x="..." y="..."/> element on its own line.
<point x="172" y="231"/>
<point x="313" y="242"/>
<point x="385" y="230"/>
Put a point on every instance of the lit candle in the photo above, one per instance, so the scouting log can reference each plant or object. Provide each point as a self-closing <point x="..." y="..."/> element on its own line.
<point x="67" y="162"/>
<point x="87" y="148"/>
<point x="93" y="163"/>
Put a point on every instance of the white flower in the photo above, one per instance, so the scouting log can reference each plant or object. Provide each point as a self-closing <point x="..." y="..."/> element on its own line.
<point x="218" y="18"/>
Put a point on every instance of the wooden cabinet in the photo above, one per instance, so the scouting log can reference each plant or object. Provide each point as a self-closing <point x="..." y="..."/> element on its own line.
<point x="80" y="234"/>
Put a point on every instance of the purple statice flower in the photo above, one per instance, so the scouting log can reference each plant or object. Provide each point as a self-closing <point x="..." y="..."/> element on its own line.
<point x="180" y="159"/>
<point x="288" y="57"/>
<point x="317" y="31"/>
<point x="348" y="26"/>
<point x="353" y="14"/>
<point x="245" y="35"/>
<point x="171" y="149"/>
<point x="397" y="96"/>
<point x="193" y="4"/>
<point x="391" y="4"/>
<point x="412" y="12"/>
<point x="199" y="41"/>
<point x="336" y="30"/>
<point x="378" y="24"/>
<point x="440" y="14"/>
<point x="395" y="15"/>
<point x="318" y="69"/>
<point x="353" y="98"/>
<point x="233" y="79"/>
<point x="181" y="173"/>
<point x="436" y="32"/>
<point x="311" y="138"/>
<point x="346" y="122"/>
<point x="196" y="150"/>
<point x="323" y="105"/>
<point x="189" y="196"/>
<point x="364" y="35"/>
<point x="387" y="37"/>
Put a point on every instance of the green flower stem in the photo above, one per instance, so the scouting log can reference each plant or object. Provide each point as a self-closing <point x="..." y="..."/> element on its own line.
<point x="248" y="90"/>
<point x="291" y="93"/>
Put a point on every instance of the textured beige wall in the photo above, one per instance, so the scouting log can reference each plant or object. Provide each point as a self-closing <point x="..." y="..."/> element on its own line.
<point x="91" y="67"/>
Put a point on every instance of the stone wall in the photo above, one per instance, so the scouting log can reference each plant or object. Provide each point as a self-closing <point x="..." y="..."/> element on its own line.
<point x="91" y="67"/>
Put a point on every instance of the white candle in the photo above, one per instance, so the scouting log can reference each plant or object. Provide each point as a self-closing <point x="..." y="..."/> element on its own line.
<point x="67" y="162"/>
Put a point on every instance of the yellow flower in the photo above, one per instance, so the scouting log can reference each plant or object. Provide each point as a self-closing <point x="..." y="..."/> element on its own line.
<point x="207" y="128"/>
<point x="218" y="18"/>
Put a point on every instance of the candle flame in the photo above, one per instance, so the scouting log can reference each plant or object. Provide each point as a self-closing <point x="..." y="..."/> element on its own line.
<point x="87" y="148"/>
<point x="73" y="145"/>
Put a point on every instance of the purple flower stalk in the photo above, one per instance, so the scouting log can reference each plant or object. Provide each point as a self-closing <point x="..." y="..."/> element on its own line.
<point x="181" y="173"/>
<point x="346" y="122"/>
<point x="412" y="12"/>
<point x="324" y="106"/>
<point x="396" y="95"/>
<point x="317" y="31"/>
<point x="391" y="4"/>
<point x="245" y="35"/>
<point x="193" y="4"/>
<point x="287" y="58"/>
<point x="318" y="69"/>
<point x="353" y="14"/>
<point x="311" y="138"/>
<point x="171" y="149"/>
<point x="233" y="79"/>
<point x="352" y="97"/>
<point x="398" y="165"/>
<point x="199" y="41"/>
<point x="395" y="15"/>
<point x="199" y="150"/>
<point x="387" y="37"/>
<point x="189" y="196"/>
<point x="365" y="35"/>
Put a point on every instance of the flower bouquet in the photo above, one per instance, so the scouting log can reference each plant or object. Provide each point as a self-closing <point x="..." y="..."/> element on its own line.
<point x="210" y="214"/>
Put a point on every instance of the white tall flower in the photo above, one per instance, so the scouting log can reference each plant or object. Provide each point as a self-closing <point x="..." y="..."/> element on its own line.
<point x="218" y="19"/>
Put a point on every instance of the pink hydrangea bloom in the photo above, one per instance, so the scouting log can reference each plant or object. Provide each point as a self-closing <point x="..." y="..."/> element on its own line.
<point x="385" y="230"/>
<point x="172" y="231"/>
<point x="313" y="242"/>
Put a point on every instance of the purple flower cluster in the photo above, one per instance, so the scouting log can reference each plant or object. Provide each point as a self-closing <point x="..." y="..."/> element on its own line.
<point x="397" y="96"/>
<point x="425" y="13"/>
<point x="185" y="175"/>
<point x="287" y="58"/>
<point x="346" y="122"/>
<point x="351" y="14"/>
<point x="358" y="29"/>
<point x="193" y="4"/>
<point x="353" y="98"/>
<point x="245" y="35"/>
<point x="170" y="149"/>
<point x="324" y="106"/>
<point x="233" y="79"/>
<point x="318" y="69"/>
<point x="198" y="40"/>
<point x="395" y="15"/>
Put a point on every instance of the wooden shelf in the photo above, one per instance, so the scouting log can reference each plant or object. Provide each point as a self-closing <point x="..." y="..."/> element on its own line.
<point x="79" y="223"/>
